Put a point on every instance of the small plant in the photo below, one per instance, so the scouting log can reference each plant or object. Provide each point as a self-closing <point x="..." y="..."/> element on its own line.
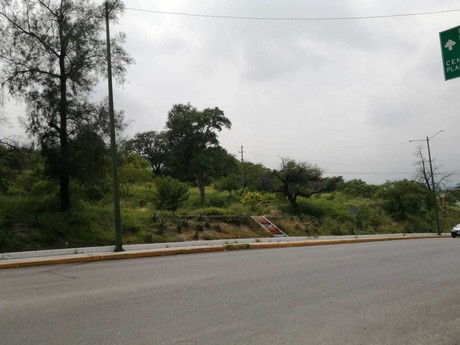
<point x="142" y="202"/>
<point x="216" y="201"/>
<point x="198" y="228"/>
<point x="209" y="211"/>
<point x="251" y="199"/>
<point x="208" y="237"/>
<point x="161" y="226"/>
<point x="148" y="238"/>
<point x="170" y="193"/>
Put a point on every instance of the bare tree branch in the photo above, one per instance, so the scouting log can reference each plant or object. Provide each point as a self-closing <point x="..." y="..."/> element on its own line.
<point x="423" y="171"/>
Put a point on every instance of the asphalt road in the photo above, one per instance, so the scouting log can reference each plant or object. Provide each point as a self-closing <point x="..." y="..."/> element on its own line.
<point x="397" y="292"/>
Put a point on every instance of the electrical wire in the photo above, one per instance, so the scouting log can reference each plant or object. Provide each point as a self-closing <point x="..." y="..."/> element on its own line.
<point x="306" y="19"/>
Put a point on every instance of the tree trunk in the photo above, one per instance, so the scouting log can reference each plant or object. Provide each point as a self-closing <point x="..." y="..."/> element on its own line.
<point x="64" y="173"/>
<point x="201" y="185"/>
<point x="64" y="154"/>
<point x="293" y="200"/>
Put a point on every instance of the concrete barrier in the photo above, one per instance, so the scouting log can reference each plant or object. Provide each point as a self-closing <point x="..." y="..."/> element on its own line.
<point x="90" y="254"/>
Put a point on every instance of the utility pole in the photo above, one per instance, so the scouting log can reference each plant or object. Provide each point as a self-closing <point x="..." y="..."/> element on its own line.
<point x="113" y="144"/>
<point x="433" y="186"/>
<point x="243" y="169"/>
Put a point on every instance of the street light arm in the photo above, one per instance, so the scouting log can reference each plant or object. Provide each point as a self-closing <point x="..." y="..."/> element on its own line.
<point x="427" y="139"/>
<point x="442" y="130"/>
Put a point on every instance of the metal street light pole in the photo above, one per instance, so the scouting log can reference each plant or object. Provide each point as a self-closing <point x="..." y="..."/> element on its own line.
<point x="433" y="187"/>
<point x="113" y="144"/>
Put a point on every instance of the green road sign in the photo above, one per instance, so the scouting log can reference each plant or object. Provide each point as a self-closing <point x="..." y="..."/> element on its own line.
<point x="450" y="48"/>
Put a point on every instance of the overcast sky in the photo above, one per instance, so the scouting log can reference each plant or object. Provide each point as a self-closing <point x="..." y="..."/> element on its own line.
<point x="347" y="95"/>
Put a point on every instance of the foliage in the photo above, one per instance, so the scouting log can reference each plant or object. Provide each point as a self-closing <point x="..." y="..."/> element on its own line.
<point x="218" y="200"/>
<point x="230" y="183"/>
<point x="170" y="193"/>
<point x="53" y="55"/>
<point x="453" y="194"/>
<point x="251" y="199"/>
<point x="194" y="148"/>
<point x="403" y="199"/>
<point x="88" y="162"/>
<point x="33" y="222"/>
<point x="302" y="179"/>
<point x="257" y="177"/>
<point x="357" y="188"/>
<point x="371" y="218"/>
<point x="153" y="147"/>
<point x="210" y="211"/>
<point x="134" y="170"/>
<point x="7" y="148"/>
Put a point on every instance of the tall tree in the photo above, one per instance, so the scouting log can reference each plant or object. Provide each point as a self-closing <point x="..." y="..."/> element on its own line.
<point x="53" y="54"/>
<point x="257" y="177"/>
<point x="195" y="153"/>
<point x="153" y="147"/>
<point x="302" y="179"/>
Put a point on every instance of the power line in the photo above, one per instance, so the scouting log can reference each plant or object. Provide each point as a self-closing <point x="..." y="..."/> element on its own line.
<point x="267" y="148"/>
<point x="382" y="172"/>
<point x="305" y="19"/>
<point x="370" y="172"/>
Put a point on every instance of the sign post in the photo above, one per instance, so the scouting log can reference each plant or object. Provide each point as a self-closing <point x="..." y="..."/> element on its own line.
<point x="353" y="211"/>
<point x="450" y="48"/>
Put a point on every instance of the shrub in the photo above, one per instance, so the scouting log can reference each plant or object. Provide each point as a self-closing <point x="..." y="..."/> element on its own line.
<point x="229" y="183"/>
<point x="210" y="211"/>
<point x="216" y="201"/>
<point x="251" y="199"/>
<point x="405" y="199"/>
<point x="336" y="226"/>
<point x="170" y="193"/>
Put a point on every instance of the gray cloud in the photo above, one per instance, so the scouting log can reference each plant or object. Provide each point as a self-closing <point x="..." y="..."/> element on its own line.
<point x="347" y="95"/>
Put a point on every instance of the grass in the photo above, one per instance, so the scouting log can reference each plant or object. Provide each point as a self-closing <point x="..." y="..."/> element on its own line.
<point x="33" y="222"/>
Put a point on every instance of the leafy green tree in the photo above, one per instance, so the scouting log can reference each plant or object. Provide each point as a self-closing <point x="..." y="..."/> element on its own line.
<point x="7" y="148"/>
<point x="53" y="54"/>
<point x="88" y="157"/>
<point x="170" y="193"/>
<point x="257" y="177"/>
<point x="453" y="194"/>
<point x="194" y="150"/>
<point x="153" y="147"/>
<point x="230" y="183"/>
<point x="302" y="179"/>
<point x="403" y="199"/>
<point x="358" y="188"/>
<point x="134" y="170"/>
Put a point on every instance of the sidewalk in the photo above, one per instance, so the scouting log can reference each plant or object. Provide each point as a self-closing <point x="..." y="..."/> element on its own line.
<point x="90" y="254"/>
